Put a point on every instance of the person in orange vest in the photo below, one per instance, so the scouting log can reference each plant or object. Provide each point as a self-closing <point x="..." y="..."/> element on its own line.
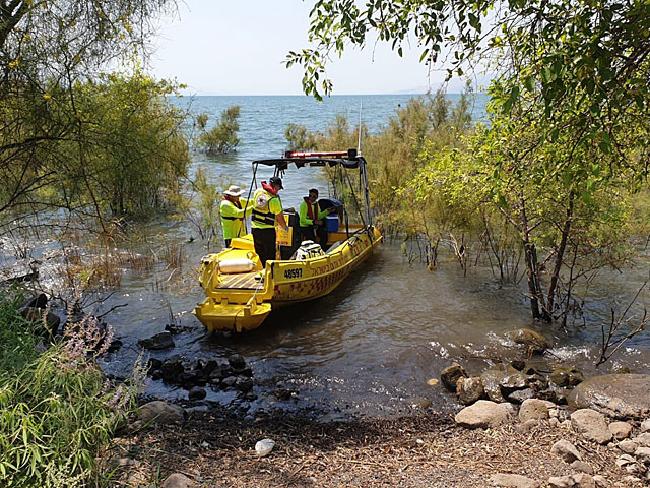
<point x="267" y="212"/>
<point x="312" y="219"/>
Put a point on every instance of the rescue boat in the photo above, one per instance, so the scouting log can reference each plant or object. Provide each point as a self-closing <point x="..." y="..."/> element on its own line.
<point x="240" y="294"/>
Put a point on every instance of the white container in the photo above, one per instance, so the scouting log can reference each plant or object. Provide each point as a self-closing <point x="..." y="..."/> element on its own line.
<point x="308" y="249"/>
<point x="236" y="265"/>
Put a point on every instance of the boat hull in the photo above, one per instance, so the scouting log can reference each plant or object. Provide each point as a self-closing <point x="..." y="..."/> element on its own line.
<point x="285" y="282"/>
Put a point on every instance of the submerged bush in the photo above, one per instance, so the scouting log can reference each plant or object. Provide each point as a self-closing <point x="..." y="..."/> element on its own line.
<point x="222" y="138"/>
<point x="56" y="410"/>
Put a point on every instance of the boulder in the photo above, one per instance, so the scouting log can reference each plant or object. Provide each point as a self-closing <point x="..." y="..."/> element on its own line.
<point x="504" y="480"/>
<point x="601" y="481"/>
<point x="51" y="320"/>
<point x="172" y="370"/>
<point x="643" y="439"/>
<point x="582" y="467"/>
<point x="237" y="362"/>
<point x="580" y="480"/>
<point x="159" y="341"/>
<point x="178" y="480"/>
<point x="161" y="413"/>
<point x="450" y="375"/>
<point x="533" y="410"/>
<point x="567" y="451"/>
<point x="520" y="396"/>
<point x="196" y="393"/>
<point x="484" y="414"/>
<point x="620" y="430"/>
<point x="628" y="446"/>
<point x="37" y="301"/>
<point x="618" y="396"/>
<point x="533" y="340"/>
<point x="645" y="426"/>
<point x="566" y="376"/>
<point x="469" y="390"/>
<point x="642" y="453"/>
<point x="591" y="425"/>
<point x="493" y="378"/>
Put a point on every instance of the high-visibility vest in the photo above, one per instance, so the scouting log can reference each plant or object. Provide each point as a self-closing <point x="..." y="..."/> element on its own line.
<point x="262" y="217"/>
<point x="232" y="218"/>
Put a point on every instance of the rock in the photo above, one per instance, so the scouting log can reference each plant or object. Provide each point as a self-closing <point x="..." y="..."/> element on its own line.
<point x="645" y="426"/>
<point x="618" y="396"/>
<point x="469" y="390"/>
<point x="172" y="370"/>
<point x="625" y="460"/>
<point x="591" y="425"/>
<point x="566" y="376"/>
<point x="229" y="381"/>
<point x="643" y="453"/>
<point x="484" y="414"/>
<point x="159" y="341"/>
<point x="620" y="430"/>
<point x="643" y="439"/>
<point x="178" y="480"/>
<point x="520" y="396"/>
<point x="237" y="361"/>
<point x="533" y="409"/>
<point x="513" y="481"/>
<point x="38" y="301"/>
<point x="493" y="378"/>
<point x="582" y="467"/>
<point x="527" y="426"/>
<point x="600" y="481"/>
<point x="533" y="340"/>
<point x="579" y="480"/>
<point x="196" y="393"/>
<point x="628" y="446"/>
<point x="513" y="381"/>
<point x="553" y="422"/>
<point x="450" y="375"/>
<point x="264" y="447"/>
<point x="161" y="413"/>
<point x="51" y="320"/>
<point x="567" y="451"/>
<point x="518" y="364"/>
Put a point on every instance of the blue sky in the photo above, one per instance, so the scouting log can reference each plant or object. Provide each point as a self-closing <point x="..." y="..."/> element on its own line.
<point x="226" y="47"/>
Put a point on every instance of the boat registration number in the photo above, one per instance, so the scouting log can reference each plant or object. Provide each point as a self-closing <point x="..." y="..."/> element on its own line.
<point x="292" y="273"/>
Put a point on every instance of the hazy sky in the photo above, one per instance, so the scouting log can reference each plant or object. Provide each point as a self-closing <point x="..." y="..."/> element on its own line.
<point x="237" y="47"/>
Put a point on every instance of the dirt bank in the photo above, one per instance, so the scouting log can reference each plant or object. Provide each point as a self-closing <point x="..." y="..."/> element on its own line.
<point x="217" y="450"/>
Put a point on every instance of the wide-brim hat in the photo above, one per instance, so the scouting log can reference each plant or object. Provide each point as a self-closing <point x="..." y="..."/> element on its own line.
<point x="234" y="191"/>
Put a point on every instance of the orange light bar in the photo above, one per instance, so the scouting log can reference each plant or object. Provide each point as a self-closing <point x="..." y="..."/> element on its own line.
<point x="325" y="154"/>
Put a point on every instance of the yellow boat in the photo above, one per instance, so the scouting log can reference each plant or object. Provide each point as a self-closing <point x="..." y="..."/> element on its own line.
<point x="240" y="294"/>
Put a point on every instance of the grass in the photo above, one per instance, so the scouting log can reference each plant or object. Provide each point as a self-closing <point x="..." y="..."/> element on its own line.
<point x="57" y="411"/>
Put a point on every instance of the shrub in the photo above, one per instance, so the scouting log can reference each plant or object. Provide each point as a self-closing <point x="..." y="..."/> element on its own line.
<point x="222" y="138"/>
<point x="56" y="410"/>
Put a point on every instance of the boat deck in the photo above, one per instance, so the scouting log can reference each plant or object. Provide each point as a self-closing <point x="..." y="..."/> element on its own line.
<point x="241" y="281"/>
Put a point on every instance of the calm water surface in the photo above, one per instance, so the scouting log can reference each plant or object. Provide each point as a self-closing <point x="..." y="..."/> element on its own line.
<point x="370" y="347"/>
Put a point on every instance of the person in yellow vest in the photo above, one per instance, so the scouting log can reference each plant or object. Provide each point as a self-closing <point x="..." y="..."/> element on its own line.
<point x="312" y="223"/>
<point x="267" y="210"/>
<point x="233" y="210"/>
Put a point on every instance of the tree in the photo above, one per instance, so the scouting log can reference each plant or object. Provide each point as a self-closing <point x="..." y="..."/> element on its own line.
<point x="46" y="49"/>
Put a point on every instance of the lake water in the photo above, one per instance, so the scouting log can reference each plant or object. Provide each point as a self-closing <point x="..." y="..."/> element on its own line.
<point x="370" y="347"/>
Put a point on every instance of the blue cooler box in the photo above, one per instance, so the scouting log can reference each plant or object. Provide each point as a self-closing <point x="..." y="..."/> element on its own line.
<point x="332" y="223"/>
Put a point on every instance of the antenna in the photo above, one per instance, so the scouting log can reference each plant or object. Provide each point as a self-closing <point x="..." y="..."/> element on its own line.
<point x="360" y="120"/>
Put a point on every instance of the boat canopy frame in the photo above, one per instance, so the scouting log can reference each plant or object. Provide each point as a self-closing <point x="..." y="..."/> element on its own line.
<point x="344" y="159"/>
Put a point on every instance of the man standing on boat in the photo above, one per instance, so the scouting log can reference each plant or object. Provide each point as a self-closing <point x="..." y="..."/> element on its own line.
<point x="267" y="210"/>
<point x="232" y="211"/>
<point x="312" y="224"/>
